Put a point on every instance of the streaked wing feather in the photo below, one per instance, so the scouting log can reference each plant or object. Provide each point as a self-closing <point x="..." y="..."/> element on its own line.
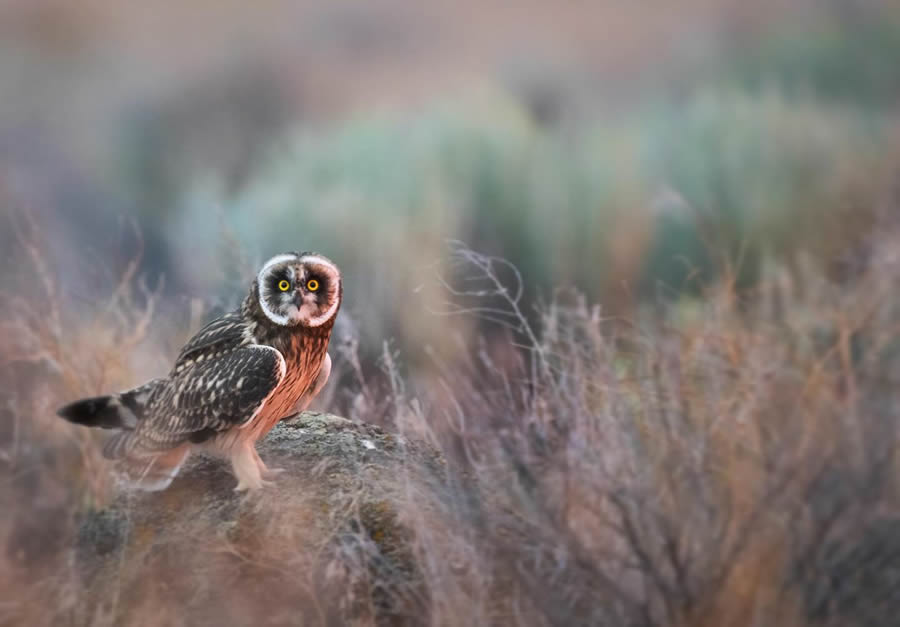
<point x="214" y="395"/>
<point x="221" y="334"/>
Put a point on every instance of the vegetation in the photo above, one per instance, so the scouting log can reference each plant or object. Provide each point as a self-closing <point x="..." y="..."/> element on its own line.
<point x="732" y="463"/>
<point x="655" y="334"/>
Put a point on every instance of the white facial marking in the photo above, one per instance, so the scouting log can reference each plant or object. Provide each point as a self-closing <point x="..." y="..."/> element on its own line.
<point x="334" y="275"/>
<point x="293" y="313"/>
<point x="263" y="290"/>
<point x="319" y="261"/>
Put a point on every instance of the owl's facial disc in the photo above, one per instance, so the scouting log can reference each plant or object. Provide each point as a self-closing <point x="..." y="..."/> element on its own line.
<point x="299" y="290"/>
<point x="320" y="289"/>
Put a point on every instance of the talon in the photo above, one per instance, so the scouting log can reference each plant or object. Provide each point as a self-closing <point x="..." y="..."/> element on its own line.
<point x="269" y="473"/>
<point x="246" y="470"/>
<point x="264" y="470"/>
<point x="247" y="487"/>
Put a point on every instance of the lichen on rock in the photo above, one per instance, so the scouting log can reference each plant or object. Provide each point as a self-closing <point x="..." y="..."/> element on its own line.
<point x="328" y="534"/>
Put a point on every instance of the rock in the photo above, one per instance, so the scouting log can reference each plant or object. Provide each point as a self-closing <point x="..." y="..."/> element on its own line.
<point x="325" y="544"/>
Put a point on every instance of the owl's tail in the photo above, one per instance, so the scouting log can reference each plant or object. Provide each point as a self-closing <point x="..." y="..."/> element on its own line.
<point x="118" y="411"/>
<point x="105" y="412"/>
<point x="124" y="411"/>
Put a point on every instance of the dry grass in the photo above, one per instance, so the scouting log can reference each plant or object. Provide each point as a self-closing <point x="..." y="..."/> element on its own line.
<point x="729" y="461"/>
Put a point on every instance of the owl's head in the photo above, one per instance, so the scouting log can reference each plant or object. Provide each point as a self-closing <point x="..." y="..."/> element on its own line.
<point x="299" y="289"/>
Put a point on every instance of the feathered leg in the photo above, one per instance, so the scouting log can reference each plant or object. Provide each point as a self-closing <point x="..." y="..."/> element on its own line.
<point x="246" y="468"/>
<point x="265" y="471"/>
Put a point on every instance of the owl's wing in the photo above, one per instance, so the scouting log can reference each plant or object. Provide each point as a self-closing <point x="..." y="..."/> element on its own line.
<point x="223" y="333"/>
<point x="211" y="395"/>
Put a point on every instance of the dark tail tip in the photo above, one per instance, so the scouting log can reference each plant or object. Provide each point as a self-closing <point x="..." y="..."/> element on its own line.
<point x="99" y="411"/>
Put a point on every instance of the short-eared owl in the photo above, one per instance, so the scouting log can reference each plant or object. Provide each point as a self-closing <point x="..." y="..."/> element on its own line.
<point x="232" y="382"/>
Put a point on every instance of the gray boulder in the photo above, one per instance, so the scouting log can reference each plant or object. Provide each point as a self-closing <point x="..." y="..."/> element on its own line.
<point x="325" y="544"/>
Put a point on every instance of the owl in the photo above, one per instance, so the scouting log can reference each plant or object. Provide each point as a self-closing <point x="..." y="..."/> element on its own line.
<point x="232" y="382"/>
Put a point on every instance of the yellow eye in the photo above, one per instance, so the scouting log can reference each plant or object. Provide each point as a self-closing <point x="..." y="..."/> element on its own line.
<point x="312" y="285"/>
<point x="284" y="285"/>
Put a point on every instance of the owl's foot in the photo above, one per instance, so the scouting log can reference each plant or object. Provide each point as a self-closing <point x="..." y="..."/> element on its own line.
<point x="271" y="473"/>
<point x="247" y="471"/>
<point x="243" y="486"/>
<point x="265" y="471"/>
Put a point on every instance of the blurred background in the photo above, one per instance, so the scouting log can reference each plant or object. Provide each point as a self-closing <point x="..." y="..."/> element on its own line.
<point x="665" y="159"/>
<point x="633" y="150"/>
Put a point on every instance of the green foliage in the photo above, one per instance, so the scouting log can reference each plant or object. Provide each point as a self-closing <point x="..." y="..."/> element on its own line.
<point x="848" y="57"/>
<point x="750" y="159"/>
<point x="725" y="173"/>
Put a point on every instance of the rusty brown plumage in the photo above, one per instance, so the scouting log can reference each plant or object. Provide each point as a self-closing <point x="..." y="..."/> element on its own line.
<point x="232" y="382"/>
